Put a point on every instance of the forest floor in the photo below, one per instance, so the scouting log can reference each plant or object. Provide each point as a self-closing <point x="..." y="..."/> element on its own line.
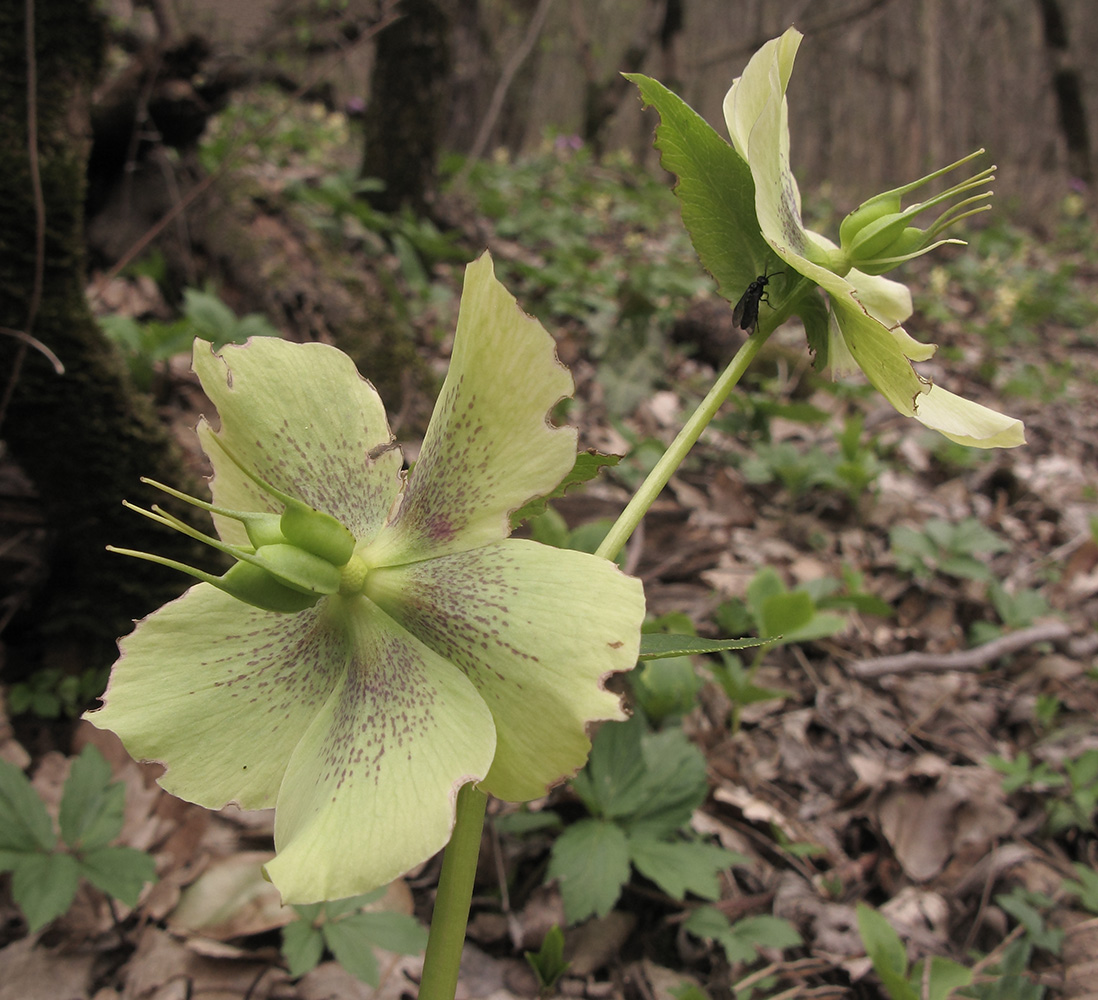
<point x="953" y="788"/>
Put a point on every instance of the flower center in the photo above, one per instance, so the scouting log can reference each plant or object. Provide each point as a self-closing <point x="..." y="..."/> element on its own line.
<point x="352" y="577"/>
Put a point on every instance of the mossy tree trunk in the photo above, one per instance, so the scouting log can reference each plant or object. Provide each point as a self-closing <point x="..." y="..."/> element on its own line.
<point x="404" y="119"/>
<point x="84" y="437"/>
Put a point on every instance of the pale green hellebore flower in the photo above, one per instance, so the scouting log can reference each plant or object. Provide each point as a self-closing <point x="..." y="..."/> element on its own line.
<point x="866" y="310"/>
<point x="445" y="652"/>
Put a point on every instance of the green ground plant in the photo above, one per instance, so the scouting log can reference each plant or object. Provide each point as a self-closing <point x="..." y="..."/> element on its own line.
<point x="46" y="870"/>
<point x="347" y="930"/>
<point x="148" y="346"/>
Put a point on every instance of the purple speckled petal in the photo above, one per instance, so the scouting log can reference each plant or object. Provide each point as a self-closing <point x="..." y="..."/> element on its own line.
<point x="221" y="693"/>
<point x="371" y="787"/>
<point x="489" y="448"/>
<point x="536" y="629"/>
<point x="302" y="418"/>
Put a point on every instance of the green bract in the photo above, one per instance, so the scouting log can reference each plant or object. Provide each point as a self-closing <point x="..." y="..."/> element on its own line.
<point x="862" y="326"/>
<point x="441" y="652"/>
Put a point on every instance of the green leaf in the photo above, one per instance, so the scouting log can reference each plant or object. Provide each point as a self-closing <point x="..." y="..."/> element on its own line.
<point x="43" y="886"/>
<point x="352" y="949"/>
<point x="587" y="466"/>
<point x="1086" y="889"/>
<point x="591" y="861"/>
<point x="24" y="823"/>
<point x="682" y="866"/>
<point x="397" y="932"/>
<point x="945" y="976"/>
<point x="92" y="808"/>
<point x="335" y="908"/>
<point x="119" y="871"/>
<point x="742" y="940"/>
<point x="657" y="645"/>
<point x="738" y="684"/>
<point x="783" y="614"/>
<point x="524" y="822"/>
<point x="665" y="687"/>
<point x="302" y="946"/>
<point x="548" y="961"/>
<point x="715" y="191"/>
<point x="612" y="783"/>
<point x="675" y="783"/>
<point x="887" y="952"/>
<point x="1020" y="904"/>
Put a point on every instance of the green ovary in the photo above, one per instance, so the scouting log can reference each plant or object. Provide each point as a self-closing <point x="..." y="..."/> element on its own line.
<point x="352" y="577"/>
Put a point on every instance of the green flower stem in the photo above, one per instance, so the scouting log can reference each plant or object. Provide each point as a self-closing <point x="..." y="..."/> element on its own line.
<point x="455" y="891"/>
<point x="671" y="459"/>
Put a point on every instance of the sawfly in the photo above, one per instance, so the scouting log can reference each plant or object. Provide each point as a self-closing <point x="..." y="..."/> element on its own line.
<point x="746" y="313"/>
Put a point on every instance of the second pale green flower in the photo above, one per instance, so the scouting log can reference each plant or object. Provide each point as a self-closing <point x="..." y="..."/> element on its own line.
<point x="441" y="652"/>
<point x="865" y="311"/>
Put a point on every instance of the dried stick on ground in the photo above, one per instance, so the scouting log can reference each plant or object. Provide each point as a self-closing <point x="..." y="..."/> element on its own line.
<point x="965" y="659"/>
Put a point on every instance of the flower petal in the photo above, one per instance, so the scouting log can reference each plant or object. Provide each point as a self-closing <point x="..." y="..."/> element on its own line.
<point x="371" y="787"/>
<point x="536" y="629"/>
<point x="875" y="350"/>
<point x="758" y="122"/>
<point x="966" y="422"/>
<point x="220" y="692"/>
<point x="489" y="448"/>
<point x="302" y="418"/>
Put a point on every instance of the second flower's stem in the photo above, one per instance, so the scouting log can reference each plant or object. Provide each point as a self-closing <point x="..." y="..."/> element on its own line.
<point x="672" y="458"/>
<point x="455" y="891"/>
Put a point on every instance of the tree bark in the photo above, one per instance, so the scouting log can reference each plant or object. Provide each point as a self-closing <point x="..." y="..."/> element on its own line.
<point x="84" y="437"/>
<point x="403" y="121"/>
<point x="1068" y="88"/>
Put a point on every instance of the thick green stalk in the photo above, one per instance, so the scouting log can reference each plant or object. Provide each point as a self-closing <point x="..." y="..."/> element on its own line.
<point x="672" y="458"/>
<point x="455" y="891"/>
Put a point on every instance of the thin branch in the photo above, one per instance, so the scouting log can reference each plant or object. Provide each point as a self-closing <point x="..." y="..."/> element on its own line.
<point x="29" y="341"/>
<point x="965" y="659"/>
<point x="495" y="106"/>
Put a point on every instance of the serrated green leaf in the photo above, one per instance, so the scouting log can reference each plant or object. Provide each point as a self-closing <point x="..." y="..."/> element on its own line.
<point x="92" y="807"/>
<point x="742" y="940"/>
<point x="119" y="871"/>
<point x="352" y="949"/>
<point x="675" y="783"/>
<point x="335" y="908"/>
<point x="43" y="886"/>
<point x="25" y="826"/>
<point x="715" y="191"/>
<point x="302" y="947"/>
<point x="682" y="866"/>
<point x="397" y="932"/>
<point x="612" y="783"/>
<point x="658" y="645"/>
<point x="586" y="467"/>
<point x="591" y="862"/>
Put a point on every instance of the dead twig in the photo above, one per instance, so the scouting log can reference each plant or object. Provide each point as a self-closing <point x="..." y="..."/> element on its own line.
<point x="965" y="659"/>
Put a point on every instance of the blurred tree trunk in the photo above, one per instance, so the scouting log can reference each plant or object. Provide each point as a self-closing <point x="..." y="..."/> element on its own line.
<point x="660" y="21"/>
<point x="1068" y="88"/>
<point x="83" y="438"/>
<point x="404" y="119"/>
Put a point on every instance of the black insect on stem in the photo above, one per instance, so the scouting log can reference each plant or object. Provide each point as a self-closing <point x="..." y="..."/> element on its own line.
<point x="746" y="313"/>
